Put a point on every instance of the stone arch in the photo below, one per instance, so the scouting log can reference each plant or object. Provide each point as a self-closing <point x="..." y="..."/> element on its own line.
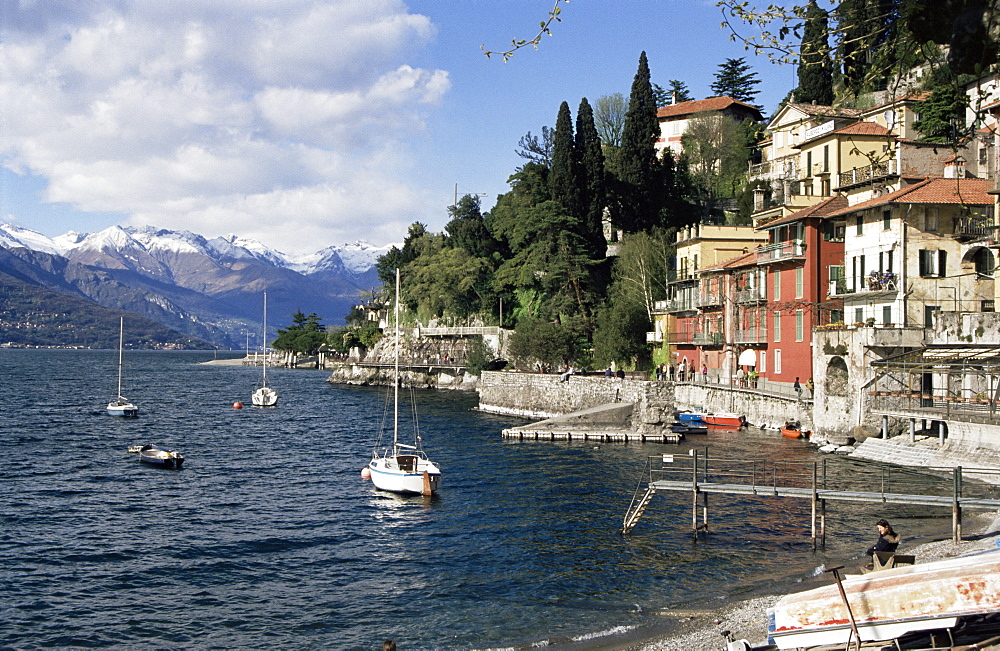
<point x="836" y="377"/>
<point x="979" y="259"/>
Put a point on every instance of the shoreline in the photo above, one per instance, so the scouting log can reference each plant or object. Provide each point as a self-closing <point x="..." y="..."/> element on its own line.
<point x="702" y="626"/>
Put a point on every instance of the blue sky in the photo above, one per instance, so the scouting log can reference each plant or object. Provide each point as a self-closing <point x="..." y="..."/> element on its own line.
<point x="305" y="124"/>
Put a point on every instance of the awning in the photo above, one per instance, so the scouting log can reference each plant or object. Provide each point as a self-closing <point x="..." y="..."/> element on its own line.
<point x="938" y="358"/>
<point x="748" y="357"/>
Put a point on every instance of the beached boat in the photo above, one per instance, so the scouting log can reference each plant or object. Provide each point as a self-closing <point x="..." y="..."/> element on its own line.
<point x="120" y="405"/>
<point x="888" y="604"/>
<point x="724" y="419"/>
<point x="264" y="396"/>
<point x="402" y="468"/>
<point x="793" y="430"/>
<point x="157" y="456"/>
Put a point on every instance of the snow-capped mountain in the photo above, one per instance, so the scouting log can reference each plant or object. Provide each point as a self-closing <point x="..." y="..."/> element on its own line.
<point x="216" y="284"/>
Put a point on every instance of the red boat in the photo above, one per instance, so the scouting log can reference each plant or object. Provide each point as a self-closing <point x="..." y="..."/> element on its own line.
<point x="724" y="419"/>
<point x="793" y="430"/>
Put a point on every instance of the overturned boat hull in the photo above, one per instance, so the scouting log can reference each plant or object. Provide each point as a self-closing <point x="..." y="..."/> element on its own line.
<point x="890" y="603"/>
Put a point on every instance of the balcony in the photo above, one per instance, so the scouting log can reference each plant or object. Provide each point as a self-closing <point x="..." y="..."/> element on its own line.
<point x="708" y="339"/>
<point x="751" y="295"/>
<point x="867" y="174"/>
<point x="654" y="337"/>
<point x="709" y="299"/>
<point x="660" y="307"/>
<point x="751" y="336"/>
<point x="884" y="282"/>
<point x="781" y="251"/>
<point x="977" y="227"/>
<point x="786" y="167"/>
<point x="682" y="304"/>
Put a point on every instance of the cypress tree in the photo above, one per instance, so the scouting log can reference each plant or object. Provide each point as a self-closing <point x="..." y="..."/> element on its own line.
<point x="562" y="179"/>
<point x="638" y="166"/>
<point x="815" y="68"/>
<point x="590" y="180"/>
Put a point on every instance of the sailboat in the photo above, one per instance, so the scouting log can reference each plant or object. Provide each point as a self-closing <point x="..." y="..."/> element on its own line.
<point x="121" y="406"/>
<point x="402" y="468"/>
<point x="264" y="396"/>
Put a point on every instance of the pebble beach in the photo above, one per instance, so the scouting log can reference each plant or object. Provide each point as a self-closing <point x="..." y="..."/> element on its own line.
<point x="747" y="619"/>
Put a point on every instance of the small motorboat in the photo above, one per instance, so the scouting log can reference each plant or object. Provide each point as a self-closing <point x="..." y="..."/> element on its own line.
<point x="157" y="456"/>
<point x="688" y="428"/>
<point x="725" y="419"/>
<point x="793" y="430"/>
<point x="690" y="417"/>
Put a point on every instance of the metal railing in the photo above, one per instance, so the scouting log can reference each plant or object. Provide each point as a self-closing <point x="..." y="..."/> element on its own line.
<point x="751" y="335"/>
<point x="867" y="173"/>
<point x="781" y="251"/>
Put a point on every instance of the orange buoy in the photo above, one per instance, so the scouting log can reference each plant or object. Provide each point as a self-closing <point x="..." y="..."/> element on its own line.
<point x="237" y="405"/>
<point x="366" y="473"/>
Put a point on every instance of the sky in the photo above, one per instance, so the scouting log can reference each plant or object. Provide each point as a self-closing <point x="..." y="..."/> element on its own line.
<point x="310" y="123"/>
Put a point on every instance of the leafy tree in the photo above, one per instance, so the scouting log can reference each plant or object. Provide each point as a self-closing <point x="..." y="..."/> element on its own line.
<point x="735" y="79"/>
<point x="537" y="149"/>
<point x="609" y="118"/>
<point x="304" y="336"/>
<point x="536" y="340"/>
<point x="467" y="229"/>
<point x="715" y="147"/>
<point x="677" y="188"/>
<point x="396" y="258"/>
<point x="638" y="166"/>
<point x="815" y="68"/>
<point x="479" y="356"/>
<point x="640" y="277"/>
<point x="443" y="279"/>
<point x="941" y="114"/>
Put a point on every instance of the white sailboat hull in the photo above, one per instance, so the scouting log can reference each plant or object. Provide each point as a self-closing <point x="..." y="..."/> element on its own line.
<point x="264" y="397"/>
<point x="122" y="407"/>
<point x="405" y="473"/>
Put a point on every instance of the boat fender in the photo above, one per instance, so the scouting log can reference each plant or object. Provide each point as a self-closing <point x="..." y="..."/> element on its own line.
<point x="237" y="405"/>
<point x="366" y="473"/>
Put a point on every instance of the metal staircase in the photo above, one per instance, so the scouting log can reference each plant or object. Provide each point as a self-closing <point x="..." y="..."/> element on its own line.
<point x="636" y="509"/>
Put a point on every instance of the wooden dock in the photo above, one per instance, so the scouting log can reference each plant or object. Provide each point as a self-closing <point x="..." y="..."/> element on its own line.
<point x="816" y="481"/>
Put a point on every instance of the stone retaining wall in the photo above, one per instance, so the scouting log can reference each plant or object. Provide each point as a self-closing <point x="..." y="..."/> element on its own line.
<point x="535" y="395"/>
<point x="759" y="408"/>
<point x="436" y="378"/>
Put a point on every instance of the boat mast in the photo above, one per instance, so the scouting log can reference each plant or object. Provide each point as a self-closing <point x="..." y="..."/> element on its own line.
<point x="395" y="381"/>
<point x="121" y="344"/>
<point x="264" y="342"/>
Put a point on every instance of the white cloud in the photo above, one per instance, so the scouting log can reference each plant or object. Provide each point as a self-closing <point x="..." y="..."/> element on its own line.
<point x="282" y="119"/>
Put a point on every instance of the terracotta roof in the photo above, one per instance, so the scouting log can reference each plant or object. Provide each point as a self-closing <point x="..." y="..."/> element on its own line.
<point x="864" y="129"/>
<point x="702" y="106"/>
<point x="819" y="210"/>
<point x="970" y="192"/>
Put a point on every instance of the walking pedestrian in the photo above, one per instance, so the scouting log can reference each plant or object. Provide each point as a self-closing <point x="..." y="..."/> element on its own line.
<point x="704" y="373"/>
<point x="798" y="388"/>
<point x="811" y="387"/>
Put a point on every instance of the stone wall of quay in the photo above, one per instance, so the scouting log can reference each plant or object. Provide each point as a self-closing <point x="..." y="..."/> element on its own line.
<point x="761" y="409"/>
<point x="537" y="395"/>
<point x="421" y="378"/>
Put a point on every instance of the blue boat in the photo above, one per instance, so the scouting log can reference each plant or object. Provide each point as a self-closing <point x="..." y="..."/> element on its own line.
<point x="691" y="417"/>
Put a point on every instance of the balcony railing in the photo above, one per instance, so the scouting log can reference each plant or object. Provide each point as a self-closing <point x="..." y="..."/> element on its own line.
<point x="786" y="167"/>
<point x="654" y="337"/>
<point x="708" y="339"/>
<point x="706" y="299"/>
<point x="751" y="295"/>
<point x="867" y="174"/>
<point x="781" y="251"/>
<point x="685" y="304"/>
<point x="661" y="307"/>
<point x="974" y="228"/>
<point x="751" y="335"/>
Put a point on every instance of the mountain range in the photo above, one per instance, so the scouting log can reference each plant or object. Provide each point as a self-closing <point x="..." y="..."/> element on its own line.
<point x="209" y="290"/>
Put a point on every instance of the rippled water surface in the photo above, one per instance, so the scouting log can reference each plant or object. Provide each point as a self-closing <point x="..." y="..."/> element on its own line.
<point x="269" y="538"/>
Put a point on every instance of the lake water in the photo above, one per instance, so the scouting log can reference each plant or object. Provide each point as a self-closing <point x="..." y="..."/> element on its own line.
<point x="269" y="538"/>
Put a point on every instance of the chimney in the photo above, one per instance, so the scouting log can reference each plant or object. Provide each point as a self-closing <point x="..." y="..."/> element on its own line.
<point x="673" y="98"/>
<point x="954" y="168"/>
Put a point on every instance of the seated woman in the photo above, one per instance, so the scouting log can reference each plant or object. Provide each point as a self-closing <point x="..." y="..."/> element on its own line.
<point x="888" y="540"/>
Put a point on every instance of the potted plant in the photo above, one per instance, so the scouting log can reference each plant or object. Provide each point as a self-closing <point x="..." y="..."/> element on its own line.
<point x="870" y="321"/>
